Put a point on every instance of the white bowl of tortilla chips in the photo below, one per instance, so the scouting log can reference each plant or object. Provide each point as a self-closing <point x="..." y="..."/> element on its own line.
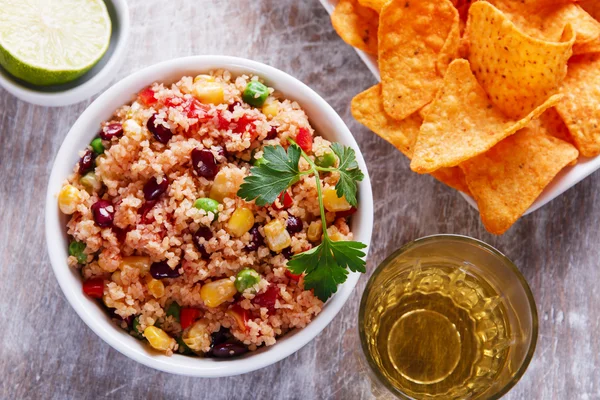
<point x="498" y="99"/>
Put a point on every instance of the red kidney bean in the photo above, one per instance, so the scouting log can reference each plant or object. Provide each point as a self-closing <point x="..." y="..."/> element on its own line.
<point x="204" y="163"/>
<point x="205" y="233"/>
<point x="159" y="130"/>
<point x="104" y="213"/>
<point x="226" y="350"/>
<point x="232" y="106"/>
<point x="293" y="224"/>
<point x="161" y="269"/>
<point x="153" y="189"/>
<point x="86" y="162"/>
<point x="111" y="130"/>
<point x="256" y="239"/>
<point x="272" y="133"/>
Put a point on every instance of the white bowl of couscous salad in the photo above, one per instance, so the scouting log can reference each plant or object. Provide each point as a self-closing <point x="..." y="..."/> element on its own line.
<point x="208" y="216"/>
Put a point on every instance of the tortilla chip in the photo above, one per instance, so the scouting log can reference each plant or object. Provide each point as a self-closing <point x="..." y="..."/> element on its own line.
<point x="586" y="48"/>
<point x="506" y="180"/>
<point x="547" y="19"/>
<point x="580" y="108"/>
<point x="462" y="122"/>
<point x="450" y="50"/>
<point x="367" y="108"/>
<point x="518" y="72"/>
<point x="412" y="35"/>
<point x="592" y="7"/>
<point x="453" y="177"/>
<point x="376" y="5"/>
<point x="551" y="123"/>
<point x="356" y="25"/>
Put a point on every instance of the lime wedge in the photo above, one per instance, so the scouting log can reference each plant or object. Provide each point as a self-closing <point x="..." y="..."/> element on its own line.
<point x="52" y="42"/>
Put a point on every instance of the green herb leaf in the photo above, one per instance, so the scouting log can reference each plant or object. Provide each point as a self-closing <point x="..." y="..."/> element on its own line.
<point x="326" y="265"/>
<point x="268" y="180"/>
<point x="350" y="174"/>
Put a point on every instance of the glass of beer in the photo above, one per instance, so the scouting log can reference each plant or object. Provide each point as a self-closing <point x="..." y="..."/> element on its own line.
<point x="447" y="317"/>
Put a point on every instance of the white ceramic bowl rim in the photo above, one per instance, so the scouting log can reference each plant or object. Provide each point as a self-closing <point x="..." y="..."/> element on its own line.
<point x="78" y="137"/>
<point x="102" y="73"/>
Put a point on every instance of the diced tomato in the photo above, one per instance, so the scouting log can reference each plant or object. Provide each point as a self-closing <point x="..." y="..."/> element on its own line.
<point x="268" y="298"/>
<point x="223" y="122"/>
<point x="191" y="107"/>
<point x="244" y="124"/>
<point x="187" y="316"/>
<point x="94" y="288"/>
<point x="304" y="140"/>
<point x="147" y="96"/>
<point x="285" y="201"/>
<point x="195" y="109"/>
<point x="344" y="214"/>
<point x="294" y="277"/>
<point x="240" y="315"/>
<point x="172" y="101"/>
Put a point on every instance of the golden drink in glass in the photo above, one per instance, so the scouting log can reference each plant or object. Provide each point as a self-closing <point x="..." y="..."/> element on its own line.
<point x="447" y="317"/>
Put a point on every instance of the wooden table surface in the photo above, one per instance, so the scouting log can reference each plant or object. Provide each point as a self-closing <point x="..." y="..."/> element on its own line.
<point x="47" y="352"/>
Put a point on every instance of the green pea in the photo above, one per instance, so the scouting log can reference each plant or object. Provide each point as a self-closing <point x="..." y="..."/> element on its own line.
<point x="174" y="310"/>
<point x="255" y="94"/>
<point x="97" y="146"/>
<point x="135" y="328"/>
<point x="76" y="249"/>
<point x="246" y="278"/>
<point x="208" y="205"/>
<point x="326" y="160"/>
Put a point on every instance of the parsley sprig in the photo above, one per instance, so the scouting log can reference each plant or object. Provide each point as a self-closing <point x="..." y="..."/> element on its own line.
<point x="327" y="265"/>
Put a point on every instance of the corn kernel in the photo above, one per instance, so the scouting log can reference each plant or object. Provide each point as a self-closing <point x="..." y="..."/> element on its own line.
<point x="334" y="203"/>
<point x="271" y="109"/>
<point x="111" y="303"/>
<point x="314" y="231"/>
<point x="134" y="108"/>
<point x="197" y="337"/>
<point x="68" y="199"/>
<point x="204" y="77"/>
<point x="133" y="130"/>
<point x="158" y="338"/>
<point x="215" y="293"/>
<point x="276" y="235"/>
<point x="335" y="234"/>
<point x="116" y="277"/>
<point x="156" y="288"/>
<point x="241" y="221"/>
<point x="91" y="182"/>
<point x="238" y="317"/>
<point x="142" y="263"/>
<point x="222" y="187"/>
<point x="209" y="92"/>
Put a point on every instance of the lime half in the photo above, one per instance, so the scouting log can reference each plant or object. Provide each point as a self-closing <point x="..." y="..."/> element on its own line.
<point x="48" y="42"/>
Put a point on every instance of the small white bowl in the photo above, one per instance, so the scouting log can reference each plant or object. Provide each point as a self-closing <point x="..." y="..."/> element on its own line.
<point x="565" y="180"/>
<point x="322" y="117"/>
<point x="92" y="81"/>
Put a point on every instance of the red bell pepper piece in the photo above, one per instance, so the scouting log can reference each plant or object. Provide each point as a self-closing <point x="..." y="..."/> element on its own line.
<point x="94" y="288"/>
<point x="187" y="316"/>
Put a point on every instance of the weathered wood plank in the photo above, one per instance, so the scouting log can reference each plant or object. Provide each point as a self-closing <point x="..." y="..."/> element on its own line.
<point x="47" y="352"/>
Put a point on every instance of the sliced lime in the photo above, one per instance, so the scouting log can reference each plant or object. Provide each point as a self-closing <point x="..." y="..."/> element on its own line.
<point x="52" y="42"/>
